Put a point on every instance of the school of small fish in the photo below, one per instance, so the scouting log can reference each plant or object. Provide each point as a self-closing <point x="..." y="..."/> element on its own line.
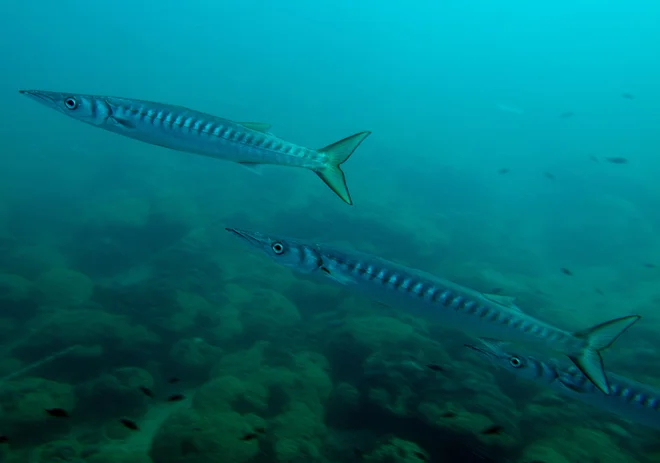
<point x="491" y="317"/>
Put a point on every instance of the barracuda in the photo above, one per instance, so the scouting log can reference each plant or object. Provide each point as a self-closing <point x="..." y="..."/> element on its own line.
<point x="183" y="129"/>
<point x="478" y="314"/>
<point x="628" y="398"/>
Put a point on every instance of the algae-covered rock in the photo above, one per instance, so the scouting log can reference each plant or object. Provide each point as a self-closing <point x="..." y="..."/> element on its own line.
<point x="189" y="436"/>
<point x="299" y="432"/>
<point x="23" y="401"/>
<point x="32" y="261"/>
<point x="14" y="288"/>
<point x="57" y="451"/>
<point x="64" y="287"/>
<point x="397" y="451"/>
<point x="194" y="356"/>
<point x="267" y="313"/>
<point x="117" y="393"/>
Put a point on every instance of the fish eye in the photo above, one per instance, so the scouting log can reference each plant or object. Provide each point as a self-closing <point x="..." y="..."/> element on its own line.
<point x="515" y="362"/>
<point x="71" y="103"/>
<point x="278" y="248"/>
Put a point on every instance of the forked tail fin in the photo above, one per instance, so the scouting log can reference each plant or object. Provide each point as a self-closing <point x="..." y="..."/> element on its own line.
<point x="598" y="338"/>
<point x="337" y="154"/>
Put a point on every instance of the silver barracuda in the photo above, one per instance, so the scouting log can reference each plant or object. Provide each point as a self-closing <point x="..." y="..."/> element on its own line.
<point x="183" y="129"/>
<point x="628" y="398"/>
<point x="475" y="313"/>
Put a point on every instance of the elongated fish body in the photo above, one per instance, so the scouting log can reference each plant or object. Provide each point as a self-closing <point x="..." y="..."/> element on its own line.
<point x="628" y="398"/>
<point x="184" y="129"/>
<point x="455" y="306"/>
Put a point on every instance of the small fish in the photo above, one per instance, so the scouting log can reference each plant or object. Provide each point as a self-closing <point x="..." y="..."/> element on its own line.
<point x="130" y="424"/>
<point x="449" y="414"/>
<point x="496" y="291"/>
<point x="146" y="391"/>
<point x="599" y="291"/>
<point x="628" y="96"/>
<point x="176" y="398"/>
<point x="503" y="171"/>
<point x="420" y="455"/>
<point x="649" y="265"/>
<point x="566" y="271"/>
<point x="617" y="160"/>
<point x="57" y="412"/>
<point x="567" y="114"/>
<point x="593" y="158"/>
<point x="4" y="440"/>
<point x="249" y="436"/>
<point x="434" y="367"/>
<point x="492" y="430"/>
<point x="549" y="175"/>
<point x="173" y="380"/>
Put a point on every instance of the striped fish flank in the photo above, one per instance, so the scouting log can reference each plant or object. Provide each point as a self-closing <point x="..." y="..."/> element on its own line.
<point x="453" y="305"/>
<point x="183" y="129"/>
<point x="628" y="399"/>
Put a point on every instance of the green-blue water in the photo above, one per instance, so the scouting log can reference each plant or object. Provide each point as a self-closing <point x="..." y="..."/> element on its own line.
<point x="499" y="129"/>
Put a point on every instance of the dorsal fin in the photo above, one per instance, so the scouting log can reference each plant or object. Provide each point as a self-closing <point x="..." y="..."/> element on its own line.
<point x="506" y="301"/>
<point x="258" y="126"/>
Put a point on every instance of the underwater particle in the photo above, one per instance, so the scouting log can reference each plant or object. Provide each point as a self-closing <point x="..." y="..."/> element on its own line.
<point x="628" y="96"/>
<point x="593" y="158"/>
<point x="649" y="265"/>
<point x="249" y="436"/>
<point x="146" y="391"/>
<point x="449" y="414"/>
<point x="173" y="380"/>
<point x="420" y="455"/>
<point x="567" y="114"/>
<point x="130" y="424"/>
<point x="4" y="440"/>
<point x="503" y="171"/>
<point x="549" y="175"/>
<point x="492" y="430"/>
<point x="434" y="367"/>
<point x="176" y="398"/>
<point x="617" y="160"/>
<point x="566" y="271"/>
<point x="57" y="412"/>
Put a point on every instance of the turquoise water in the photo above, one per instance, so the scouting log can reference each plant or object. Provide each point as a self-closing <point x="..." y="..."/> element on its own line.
<point x="513" y="150"/>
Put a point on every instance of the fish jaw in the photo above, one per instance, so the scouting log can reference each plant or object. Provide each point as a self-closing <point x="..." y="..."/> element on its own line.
<point x="285" y="251"/>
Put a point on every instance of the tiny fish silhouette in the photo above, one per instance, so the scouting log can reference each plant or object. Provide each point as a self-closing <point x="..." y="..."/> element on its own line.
<point x="649" y="265"/>
<point x="146" y="391"/>
<point x="176" y="398"/>
<point x="503" y="171"/>
<point x="434" y="367"/>
<point x="593" y="158"/>
<point x="617" y="160"/>
<point x="249" y="436"/>
<point x="628" y="96"/>
<point x="566" y="271"/>
<point x="57" y="412"/>
<point x="567" y="114"/>
<point x="130" y="424"/>
<point x="492" y="430"/>
<point x="173" y="380"/>
<point x="599" y="291"/>
<point x="449" y="414"/>
<point x="4" y="439"/>
<point x="549" y="175"/>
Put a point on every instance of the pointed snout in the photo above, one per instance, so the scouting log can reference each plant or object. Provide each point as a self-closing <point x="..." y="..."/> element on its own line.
<point x="253" y="238"/>
<point x="48" y="98"/>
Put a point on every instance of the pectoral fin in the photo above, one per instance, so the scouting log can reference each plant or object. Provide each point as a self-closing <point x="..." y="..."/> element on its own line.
<point x="341" y="279"/>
